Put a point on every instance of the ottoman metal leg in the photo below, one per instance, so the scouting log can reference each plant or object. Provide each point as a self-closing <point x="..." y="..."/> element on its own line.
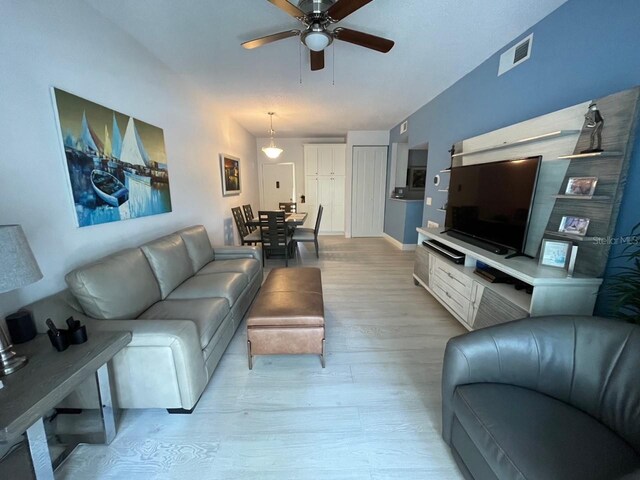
<point x="322" y="354"/>
<point x="249" y="357"/>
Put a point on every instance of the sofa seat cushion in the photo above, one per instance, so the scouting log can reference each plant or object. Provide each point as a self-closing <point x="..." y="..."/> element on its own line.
<point x="120" y="286"/>
<point x="223" y="285"/>
<point x="526" y="435"/>
<point x="249" y="266"/>
<point x="169" y="261"/>
<point x="206" y="313"/>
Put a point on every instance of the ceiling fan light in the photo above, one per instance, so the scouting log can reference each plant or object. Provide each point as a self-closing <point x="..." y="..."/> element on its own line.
<point x="317" y="41"/>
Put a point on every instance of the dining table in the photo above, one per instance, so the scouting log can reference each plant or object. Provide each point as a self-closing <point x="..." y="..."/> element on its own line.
<point x="292" y="219"/>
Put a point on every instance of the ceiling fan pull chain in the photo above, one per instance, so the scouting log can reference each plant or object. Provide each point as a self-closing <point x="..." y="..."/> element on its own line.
<point x="333" y="52"/>
<point x="300" y="60"/>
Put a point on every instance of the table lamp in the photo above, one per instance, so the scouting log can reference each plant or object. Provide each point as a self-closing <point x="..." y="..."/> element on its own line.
<point x="18" y="267"/>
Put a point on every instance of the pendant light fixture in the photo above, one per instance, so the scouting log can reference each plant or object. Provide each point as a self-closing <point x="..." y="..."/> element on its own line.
<point x="271" y="151"/>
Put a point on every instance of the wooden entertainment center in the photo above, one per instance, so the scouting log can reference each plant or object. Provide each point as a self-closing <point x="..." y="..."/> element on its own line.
<point x="476" y="302"/>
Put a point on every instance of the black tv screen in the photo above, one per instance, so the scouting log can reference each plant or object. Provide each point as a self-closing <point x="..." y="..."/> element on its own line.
<point x="492" y="201"/>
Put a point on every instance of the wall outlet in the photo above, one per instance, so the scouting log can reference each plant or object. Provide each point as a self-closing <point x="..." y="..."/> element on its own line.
<point x="431" y="224"/>
<point x="428" y="201"/>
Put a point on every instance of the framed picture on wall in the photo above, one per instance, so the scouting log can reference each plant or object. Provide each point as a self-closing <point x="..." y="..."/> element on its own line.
<point x="555" y="253"/>
<point x="574" y="226"/>
<point x="581" y="186"/>
<point x="230" y="172"/>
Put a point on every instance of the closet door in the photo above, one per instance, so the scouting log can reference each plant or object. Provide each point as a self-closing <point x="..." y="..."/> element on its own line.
<point x="325" y="159"/>
<point x="339" y="160"/>
<point x="337" y="206"/>
<point x="368" y="191"/>
<point x="311" y="205"/>
<point x="311" y="160"/>
<point x="325" y="198"/>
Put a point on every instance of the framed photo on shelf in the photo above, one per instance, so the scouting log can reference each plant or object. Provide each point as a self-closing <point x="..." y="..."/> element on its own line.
<point x="230" y="169"/>
<point x="574" y="226"/>
<point x="555" y="253"/>
<point x="581" y="186"/>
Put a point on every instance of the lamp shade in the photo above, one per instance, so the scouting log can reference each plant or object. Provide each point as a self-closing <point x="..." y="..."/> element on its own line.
<point x="317" y="41"/>
<point x="272" y="151"/>
<point x="18" y="266"/>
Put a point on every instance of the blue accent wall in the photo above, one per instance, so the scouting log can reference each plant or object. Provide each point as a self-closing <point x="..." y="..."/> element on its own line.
<point x="585" y="49"/>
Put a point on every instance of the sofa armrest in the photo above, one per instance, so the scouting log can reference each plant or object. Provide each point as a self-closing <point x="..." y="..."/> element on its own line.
<point x="173" y="343"/>
<point x="231" y="252"/>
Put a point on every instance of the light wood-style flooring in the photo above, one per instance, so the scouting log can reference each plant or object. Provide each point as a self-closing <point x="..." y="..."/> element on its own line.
<point x="373" y="413"/>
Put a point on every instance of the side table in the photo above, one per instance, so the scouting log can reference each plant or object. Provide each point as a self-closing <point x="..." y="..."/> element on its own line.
<point x="46" y="380"/>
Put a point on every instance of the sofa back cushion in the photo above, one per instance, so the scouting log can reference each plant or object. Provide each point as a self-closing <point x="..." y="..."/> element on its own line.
<point x="198" y="245"/>
<point x="119" y="286"/>
<point x="169" y="261"/>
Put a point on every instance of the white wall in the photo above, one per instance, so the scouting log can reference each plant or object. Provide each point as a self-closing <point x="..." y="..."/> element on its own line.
<point x="359" y="138"/>
<point x="293" y="152"/>
<point x="74" y="48"/>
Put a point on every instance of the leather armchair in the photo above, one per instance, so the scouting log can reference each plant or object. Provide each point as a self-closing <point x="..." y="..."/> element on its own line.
<point x="548" y="397"/>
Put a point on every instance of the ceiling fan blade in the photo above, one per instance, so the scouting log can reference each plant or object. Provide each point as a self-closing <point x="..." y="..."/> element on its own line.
<point x="363" y="39"/>
<point x="288" y="8"/>
<point x="317" y="60"/>
<point x="343" y="8"/>
<point x="258" y="42"/>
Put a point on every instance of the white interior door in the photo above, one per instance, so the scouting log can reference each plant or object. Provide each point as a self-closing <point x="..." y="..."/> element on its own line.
<point x="368" y="191"/>
<point x="278" y="184"/>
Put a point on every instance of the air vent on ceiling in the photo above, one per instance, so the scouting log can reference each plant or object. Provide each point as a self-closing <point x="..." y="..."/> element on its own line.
<point x="404" y="126"/>
<point x="516" y="55"/>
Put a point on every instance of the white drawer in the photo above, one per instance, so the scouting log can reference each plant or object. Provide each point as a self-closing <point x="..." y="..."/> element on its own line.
<point x="454" y="300"/>
<point x="454" y="278"/>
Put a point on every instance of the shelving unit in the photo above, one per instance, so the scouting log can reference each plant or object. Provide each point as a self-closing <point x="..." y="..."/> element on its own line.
<point x="537" y="138"/>
<point x="583" y="197"/>
<point x="590" y="155"/>
<point x="569" y="236"/>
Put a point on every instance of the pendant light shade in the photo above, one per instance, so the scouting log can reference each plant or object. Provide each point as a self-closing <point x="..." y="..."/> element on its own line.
<point x="272" y="151"/>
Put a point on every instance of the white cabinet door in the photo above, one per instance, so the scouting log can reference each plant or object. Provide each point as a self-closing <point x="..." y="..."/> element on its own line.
<point x="325" y="198"/>
<point x="311" y="160"/>
<point x="369" y="182"/>
<point x="325" y="160"/>
<point x="311" y="205"/>
<point x="339" y="160"/>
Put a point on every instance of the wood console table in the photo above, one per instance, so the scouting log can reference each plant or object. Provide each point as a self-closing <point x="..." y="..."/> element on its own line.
<point x="46" y="380"/>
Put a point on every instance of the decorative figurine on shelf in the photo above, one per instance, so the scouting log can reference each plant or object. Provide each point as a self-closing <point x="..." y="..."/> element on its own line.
<point x="452" y="152"/>
<point x="596" y="122"/>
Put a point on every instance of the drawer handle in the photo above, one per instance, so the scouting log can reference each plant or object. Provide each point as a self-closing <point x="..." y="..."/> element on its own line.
<point x="447" y="293"/>
<point x="450" y="276"/>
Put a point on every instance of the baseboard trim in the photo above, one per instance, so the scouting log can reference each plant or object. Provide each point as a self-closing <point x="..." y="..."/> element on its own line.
<point x="396" y="243"/>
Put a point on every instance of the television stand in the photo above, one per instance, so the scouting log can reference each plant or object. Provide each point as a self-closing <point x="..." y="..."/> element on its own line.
<point x="490" y="247"/>
<point x="517" y="254"/>
<point x="477" y="302"/>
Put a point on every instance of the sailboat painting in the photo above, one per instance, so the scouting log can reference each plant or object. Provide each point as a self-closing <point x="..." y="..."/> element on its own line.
<point x="113" y="175"/>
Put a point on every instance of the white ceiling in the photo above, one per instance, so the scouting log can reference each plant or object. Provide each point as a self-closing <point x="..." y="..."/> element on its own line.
<point x="437" y="43"/>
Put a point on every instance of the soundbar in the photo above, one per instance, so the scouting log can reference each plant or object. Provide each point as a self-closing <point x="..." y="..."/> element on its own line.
<point x="490" y="247"/>
<point x="445" y="251"/>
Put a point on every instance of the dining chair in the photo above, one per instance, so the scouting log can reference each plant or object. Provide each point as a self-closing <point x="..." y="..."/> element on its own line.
<point x="246" y="237"/>
<point x="248" y="215"/>
<point x="274" y="234"/>
<point x="288" y="207"/>
<point x="309" y="234"/>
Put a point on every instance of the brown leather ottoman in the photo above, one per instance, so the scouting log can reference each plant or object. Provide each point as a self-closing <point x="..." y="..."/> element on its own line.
<point x="287" y="316"/>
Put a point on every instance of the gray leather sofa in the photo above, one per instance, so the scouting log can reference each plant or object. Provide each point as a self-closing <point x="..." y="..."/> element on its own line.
<point x="544" y="398"/>
<point x="181" y="300"/>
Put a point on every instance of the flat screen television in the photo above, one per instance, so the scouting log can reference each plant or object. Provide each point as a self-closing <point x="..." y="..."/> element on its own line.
<point x="492" y="201"/>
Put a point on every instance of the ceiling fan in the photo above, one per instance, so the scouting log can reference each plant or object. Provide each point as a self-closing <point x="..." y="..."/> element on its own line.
<point x="317" y="16"/>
